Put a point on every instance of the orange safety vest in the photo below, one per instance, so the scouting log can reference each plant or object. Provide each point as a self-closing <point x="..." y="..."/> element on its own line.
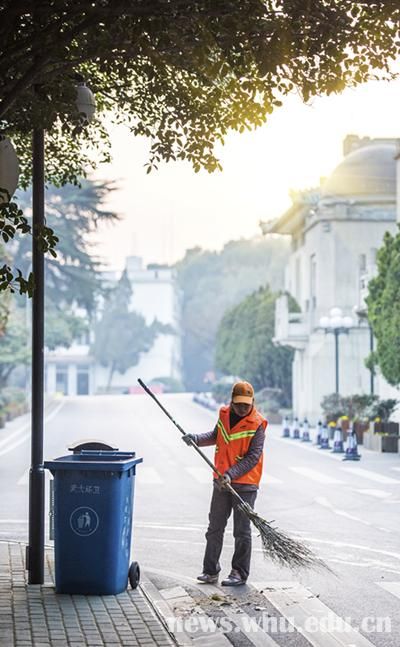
<point x="233" y="444"/>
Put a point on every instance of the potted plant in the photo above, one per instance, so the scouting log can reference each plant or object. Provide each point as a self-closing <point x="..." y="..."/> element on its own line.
<point x="383" y="435"/>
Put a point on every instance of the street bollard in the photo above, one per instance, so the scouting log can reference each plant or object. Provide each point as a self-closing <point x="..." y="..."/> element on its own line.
<point x="351" y="453"/>
<point x="319" y="433"/>
<point x="285" y="428"/>
<point x="305" y="438"/>
<point x="324" y="437"/>
<point x="338" y="441"/>
<point x="295" y="429"/>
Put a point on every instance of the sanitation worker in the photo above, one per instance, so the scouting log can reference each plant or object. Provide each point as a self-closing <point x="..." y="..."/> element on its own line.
<point x="239" y="439"/>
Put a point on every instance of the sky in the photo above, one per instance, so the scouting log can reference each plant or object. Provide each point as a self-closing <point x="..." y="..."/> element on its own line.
<point x="173" y="209"/>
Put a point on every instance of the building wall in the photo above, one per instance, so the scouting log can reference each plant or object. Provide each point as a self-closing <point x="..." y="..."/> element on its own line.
<point x="155" y="296"/>
<point x="324" y="271"/>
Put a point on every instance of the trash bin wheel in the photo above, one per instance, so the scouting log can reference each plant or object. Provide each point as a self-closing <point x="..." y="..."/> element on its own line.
<point x="134" y="574"/>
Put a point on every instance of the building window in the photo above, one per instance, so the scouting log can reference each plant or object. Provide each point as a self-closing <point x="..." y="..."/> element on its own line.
<point x="82" y="380"/>
<point x="298" y="280"/>
<point x="362" y="263"/>
<point x="62" y="379"/>
<point x="313" y="282"/>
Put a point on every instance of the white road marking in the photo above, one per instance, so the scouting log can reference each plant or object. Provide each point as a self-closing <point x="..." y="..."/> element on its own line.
<point x="392" y="587"/>
<point x="379" y="494"/>
<point x="343" y="544"/>
<point x="249" y="626"/>
<point x="148" y="476"/>
<point x="372" y="476"/>
<point x="158" y="526"/>
<point x="368" y="563"/>
<point x="341" y="513"/>
<point x="300" y="606"/>
<point x="308" y="447"/>
<point x="200" y="474"/>
<point x="268" y="479"/>
<point x="204" y="476"/>
<point x="315" y="476"/>
<point x="18" y="437"/>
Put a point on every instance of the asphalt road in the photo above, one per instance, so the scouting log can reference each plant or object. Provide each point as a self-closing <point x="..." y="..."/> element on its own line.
<point x="349" y="513"/>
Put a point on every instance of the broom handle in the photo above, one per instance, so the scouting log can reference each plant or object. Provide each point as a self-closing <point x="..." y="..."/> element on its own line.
<point x="183" y="432"/>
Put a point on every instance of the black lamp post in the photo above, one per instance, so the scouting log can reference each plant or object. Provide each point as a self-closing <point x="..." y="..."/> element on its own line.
<point x="35" y="550"/>
<point x="336" y="324"/>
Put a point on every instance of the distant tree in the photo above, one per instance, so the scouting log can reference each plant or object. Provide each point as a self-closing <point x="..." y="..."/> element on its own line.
<point x="245" y="346"/>
<point x="357" y="407"/>
<point x="121" y="335"/>
<point x="213" y="282"/>
<point x="182" y="73"/>
<point x="74" y="214"/>
<point x="383" y="304"/>
<point x="14" y="350"/>
<point x="63" y="327"/>
<point x="73" y="279"/>
<point x="5" y="297"/>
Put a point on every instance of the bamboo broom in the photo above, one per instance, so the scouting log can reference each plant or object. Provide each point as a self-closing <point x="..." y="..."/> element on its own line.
<point x="276" y="545"/>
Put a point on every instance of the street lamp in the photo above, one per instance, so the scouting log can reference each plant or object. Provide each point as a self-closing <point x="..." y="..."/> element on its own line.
<point x="336" y="324"/>
<point x="85" y="102"/>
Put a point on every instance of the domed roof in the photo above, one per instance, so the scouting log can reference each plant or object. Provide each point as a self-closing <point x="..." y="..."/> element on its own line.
<point x="370" y="170"/>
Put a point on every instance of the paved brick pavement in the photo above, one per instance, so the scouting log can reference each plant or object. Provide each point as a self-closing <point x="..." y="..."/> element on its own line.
<point x="35" y="616"/>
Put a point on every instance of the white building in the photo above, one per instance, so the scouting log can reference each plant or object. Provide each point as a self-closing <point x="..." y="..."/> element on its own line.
<point x="335" y="233"/>
<point x="155" y="295"/>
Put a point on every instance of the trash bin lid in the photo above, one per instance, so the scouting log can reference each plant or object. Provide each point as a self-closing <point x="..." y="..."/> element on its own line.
<point x="95" y="460"/>
<point x="92" y="443"/>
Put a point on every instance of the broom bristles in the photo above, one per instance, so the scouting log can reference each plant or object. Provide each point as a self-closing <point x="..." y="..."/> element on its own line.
<point x="281" y="548"/>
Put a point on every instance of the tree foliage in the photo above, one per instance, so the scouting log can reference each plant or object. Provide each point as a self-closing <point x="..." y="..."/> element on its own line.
<point x="182" y="73"/>
<point x="357" y="407"/>
<point x="383" y="304"/>
<point x="73" y="214"/>
<point x="120" y="334"/>
<point x="245" y="347"/>
<point x="73" y="278"/>
<point x="5" y="297"/>
<point x="14" y="349"/>
<point x="213" y="282"/>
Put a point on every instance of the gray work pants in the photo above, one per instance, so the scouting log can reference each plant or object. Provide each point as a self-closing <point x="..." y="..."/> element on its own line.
<point x="222" y="504"/>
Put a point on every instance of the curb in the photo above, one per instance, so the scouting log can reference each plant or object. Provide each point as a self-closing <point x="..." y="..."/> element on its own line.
<point x="159" y="602"/>
<point x="162" y="610"/>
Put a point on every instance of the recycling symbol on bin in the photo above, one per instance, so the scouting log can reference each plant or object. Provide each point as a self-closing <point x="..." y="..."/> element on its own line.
<point x="84" y="521"/>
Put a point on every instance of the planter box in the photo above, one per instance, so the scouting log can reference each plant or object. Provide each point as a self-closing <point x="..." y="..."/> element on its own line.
<point x="360" y="428"/>
<point x="381" y="443"/>
<point x="391" y="428"/>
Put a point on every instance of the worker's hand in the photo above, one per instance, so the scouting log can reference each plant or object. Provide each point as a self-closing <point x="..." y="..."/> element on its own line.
<point x="189" y="439"/>
<point x="224" y="481"/>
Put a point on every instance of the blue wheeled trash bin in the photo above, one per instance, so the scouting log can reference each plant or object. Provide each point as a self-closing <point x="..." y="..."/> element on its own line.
<point x="93" y="509"/>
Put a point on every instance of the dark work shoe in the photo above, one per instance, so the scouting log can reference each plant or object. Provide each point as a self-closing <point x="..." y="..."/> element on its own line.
<point x="205" y="578"/>
<point x="234" y="579"/>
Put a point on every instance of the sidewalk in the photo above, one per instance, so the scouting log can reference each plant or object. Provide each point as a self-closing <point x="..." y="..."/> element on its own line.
<point x="34" y="616"/>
